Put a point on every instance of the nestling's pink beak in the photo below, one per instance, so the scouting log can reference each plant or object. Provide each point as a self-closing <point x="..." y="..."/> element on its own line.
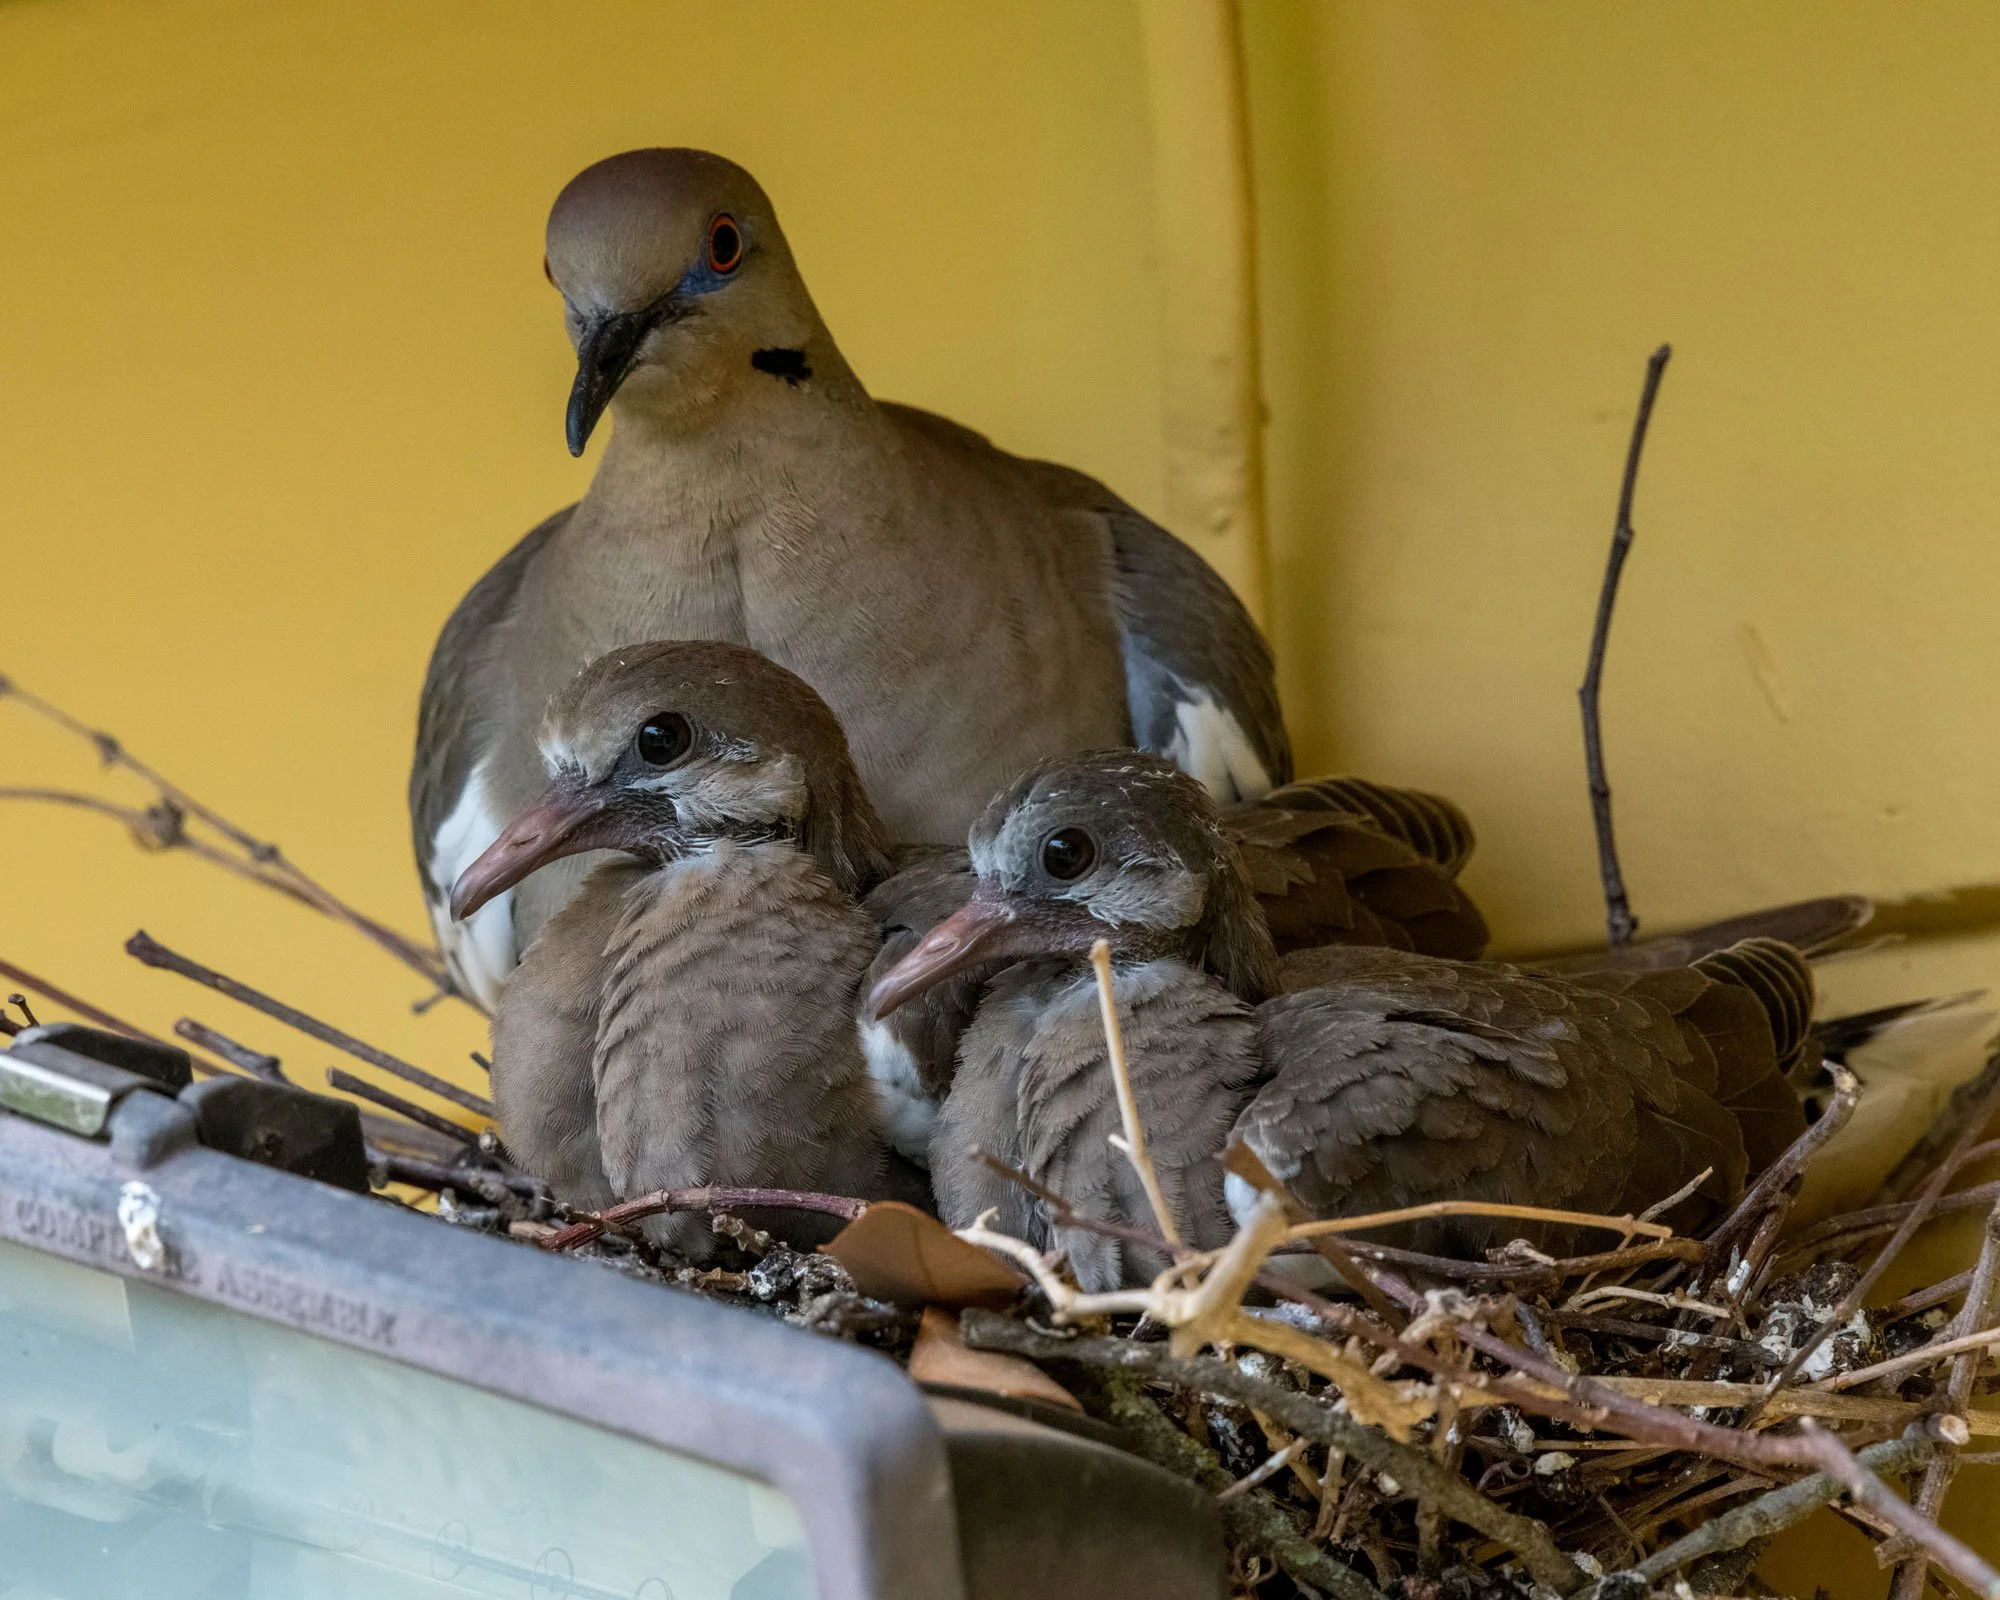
<point x="565" y="821"/>
<point x="973" y="934"/>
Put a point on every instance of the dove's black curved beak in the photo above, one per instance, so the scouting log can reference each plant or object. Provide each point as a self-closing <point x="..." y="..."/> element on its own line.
<point x="605" y="354"/>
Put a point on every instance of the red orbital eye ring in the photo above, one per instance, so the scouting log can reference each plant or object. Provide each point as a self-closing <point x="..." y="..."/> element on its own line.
<point x="725" y="245"/>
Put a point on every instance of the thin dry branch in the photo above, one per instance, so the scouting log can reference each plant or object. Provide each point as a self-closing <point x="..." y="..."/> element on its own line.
<point x="1952" y="1554"/>
<point x="1837" y="1235"/>
<point x="1971" y="1320"/>
<point x="1134" y="1146"/>
<point x="1531" y="1272"/>
<point x="1775" y="1511"/>
<point x="707" y="1197"/>
<point x="240" y="1056"/>
<point x="164" y="826"/>
<point x="408" y="1110"/>
<point x="489" y="1183"/>
<point x="1253" y="1521"/>
<point x="94" y="1015"/>
<point x="1973" y="1344"/>
<point x="1772" y="1180"/>
<point x="1923" y="1299"/>
<point x="146" y="949"/>
<point x="1942" y="1134"/>
<point x="1478" y="1208"/>
<point x="1620" y="924"/>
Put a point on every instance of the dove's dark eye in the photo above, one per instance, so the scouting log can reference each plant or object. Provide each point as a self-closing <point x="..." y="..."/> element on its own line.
<point x="664" y="739"/>
<point x="1067" y="854"/>
<point x="725" y="245"/>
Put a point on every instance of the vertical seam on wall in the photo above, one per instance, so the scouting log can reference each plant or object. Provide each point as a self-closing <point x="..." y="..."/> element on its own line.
<point x="1205" y="212"/>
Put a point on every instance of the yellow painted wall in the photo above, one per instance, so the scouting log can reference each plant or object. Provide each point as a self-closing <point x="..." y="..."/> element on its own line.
<point x="279" y="376"/>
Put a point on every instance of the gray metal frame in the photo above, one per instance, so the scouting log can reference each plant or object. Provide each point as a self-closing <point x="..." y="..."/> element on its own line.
<point x="839" y="1429"/>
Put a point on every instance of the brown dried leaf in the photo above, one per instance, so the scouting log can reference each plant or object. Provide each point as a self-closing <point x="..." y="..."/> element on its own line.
<point x="897" y="1253"/>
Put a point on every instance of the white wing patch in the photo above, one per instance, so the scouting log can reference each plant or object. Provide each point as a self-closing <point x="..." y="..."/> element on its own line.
<point x="1210" y="746"/>
<point x="908" y="1114"/>
<point x="480" y="950"/>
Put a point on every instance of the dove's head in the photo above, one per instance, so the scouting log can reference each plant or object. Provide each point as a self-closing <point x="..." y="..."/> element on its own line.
<point x="678" y="288"/>
<point x="662" y="750"/>
<point x="1115" y="845"/>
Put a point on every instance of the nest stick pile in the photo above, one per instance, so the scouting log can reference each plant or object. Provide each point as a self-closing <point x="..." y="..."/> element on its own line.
<point x="1607" y="1425"/>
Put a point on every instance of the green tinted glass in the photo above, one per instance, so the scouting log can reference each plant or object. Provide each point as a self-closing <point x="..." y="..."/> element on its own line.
<point x="156" y="1447"/>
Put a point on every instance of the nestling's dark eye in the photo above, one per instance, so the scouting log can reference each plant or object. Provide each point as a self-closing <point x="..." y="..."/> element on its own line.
<point x="664" y="739"/>
<point x="725" y="245"/>
<point x="1067" y="854"/>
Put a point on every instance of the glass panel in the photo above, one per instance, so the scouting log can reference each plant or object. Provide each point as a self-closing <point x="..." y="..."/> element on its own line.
<point x="159" y="1448"/>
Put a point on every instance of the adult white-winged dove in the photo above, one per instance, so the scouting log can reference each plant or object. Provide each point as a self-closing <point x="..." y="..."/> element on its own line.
<point x="964" y="611"/>
<point x="1383" y="1078"/>
<point x="688" y="1017"/>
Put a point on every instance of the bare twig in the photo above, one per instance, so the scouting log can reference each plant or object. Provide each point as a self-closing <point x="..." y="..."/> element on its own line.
<point x="1134" y="1145"/>
<point x="1268" y="1469"/>
<point x="1639" y="1420"/>
<point x="1659" y="1208"/>
<point x="240" y="1056"/>
<point x="489" y="1183"/>
<point x="155" y="954"/>
<point x="1924" y="1299"/>
<point x="1775" y="1511"/>
<point x="1969" y="1344"/>
<point x="1954" y="1555"/>
<point x="1416" y="1472"/>
<point x="1526" y="1272"/>
<point x="707" y="1197"/>
<point x="1740" y="1349"/>
<point x="1478" y="1208"/>
<point x="1846" y="1093"/>
<point x="1945" y="1128"/>
<point x="1839" y="1234"/>
<point x="69" y="1002"/>
<point x="1969" y="1324"/>
<point x="1619" y="921"/>
<point x="164" y="827"/>
<point x="362" y="1089"/>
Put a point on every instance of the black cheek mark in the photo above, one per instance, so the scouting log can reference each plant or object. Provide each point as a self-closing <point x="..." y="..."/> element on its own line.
<point x="787" y="364"/>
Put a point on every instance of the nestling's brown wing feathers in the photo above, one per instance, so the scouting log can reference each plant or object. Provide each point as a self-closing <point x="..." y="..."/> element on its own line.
<point x="1429" y="824"/>
<point x="1758" y="1088"/>
<point x="1403" y="1080"/>
<point x="1782" y="982"/>
<point x="1339" y="860"/>
<point x="1812" y="927"/>
<point x="1746" y="1014"/>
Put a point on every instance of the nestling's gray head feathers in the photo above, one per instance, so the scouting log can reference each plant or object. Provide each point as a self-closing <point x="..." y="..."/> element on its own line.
<point x="1138" y="845"/>
<point x="738" y="744"/>
<point x="1113" y="845"/>
<point x="658" y="749"/>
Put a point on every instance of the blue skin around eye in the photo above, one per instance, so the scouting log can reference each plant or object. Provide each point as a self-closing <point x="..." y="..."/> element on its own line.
<point x="701" y="278"/>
